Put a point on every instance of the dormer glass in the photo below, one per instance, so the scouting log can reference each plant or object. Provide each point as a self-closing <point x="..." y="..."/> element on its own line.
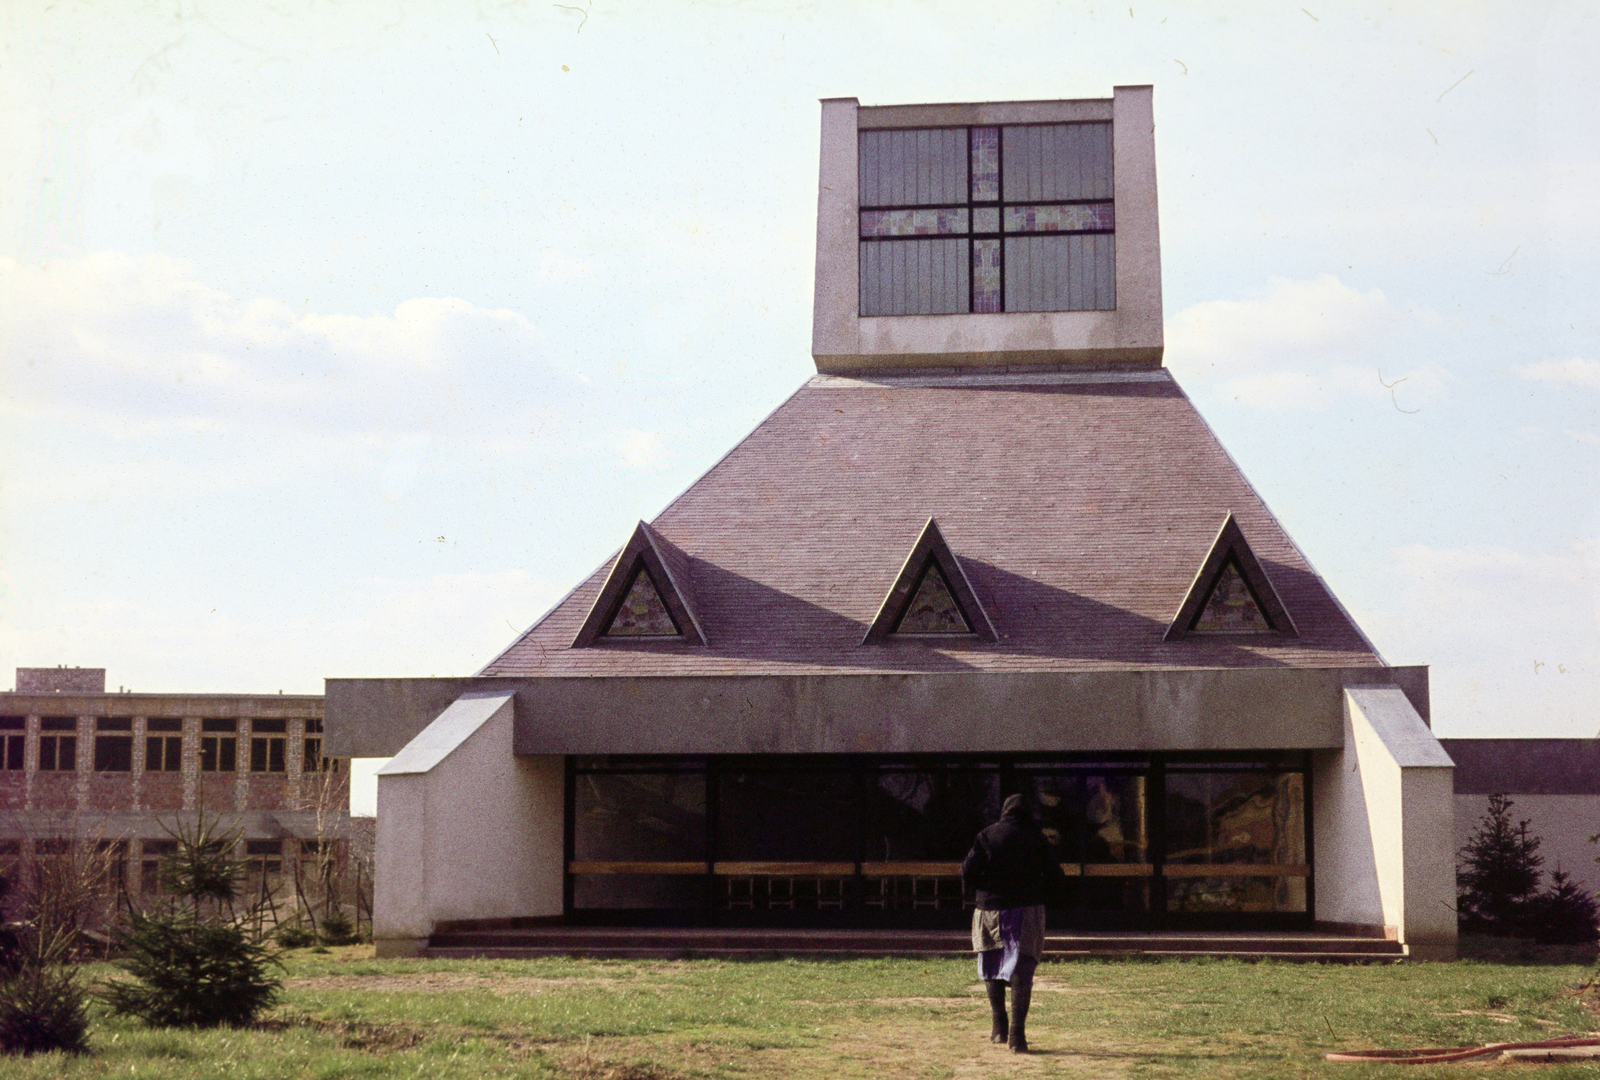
<point x="959" y="220"/>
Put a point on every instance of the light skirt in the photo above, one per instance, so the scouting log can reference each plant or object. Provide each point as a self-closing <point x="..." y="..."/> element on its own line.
<point x="1001" y="937"/>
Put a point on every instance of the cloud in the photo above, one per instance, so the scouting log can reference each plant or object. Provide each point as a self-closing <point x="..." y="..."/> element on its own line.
<point x="440" y="624"/>
<point x="1513" y="635"/>
<point x="1303" y="344"/>
<point x="1573" y="372"/>
<point x="139" y="346"/>
<point x="642" y="449"/>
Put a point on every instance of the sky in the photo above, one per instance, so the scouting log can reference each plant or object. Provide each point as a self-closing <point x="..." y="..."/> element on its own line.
<point x="342" y="340"/>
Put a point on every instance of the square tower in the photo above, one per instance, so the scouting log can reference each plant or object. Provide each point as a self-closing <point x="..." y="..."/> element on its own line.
<point x="992" y="234"/>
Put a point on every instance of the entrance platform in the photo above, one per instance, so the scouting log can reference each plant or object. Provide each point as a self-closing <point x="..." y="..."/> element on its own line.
<point x="513" y="941"/>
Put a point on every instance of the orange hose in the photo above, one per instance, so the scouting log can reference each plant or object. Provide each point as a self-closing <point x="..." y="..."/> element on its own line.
<point x="1456" y="1053"/>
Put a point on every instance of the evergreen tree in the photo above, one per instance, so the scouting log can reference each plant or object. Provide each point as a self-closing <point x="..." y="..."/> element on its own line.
<point x="1563" y="913"/>
<point x="1499" y="874"/>
<point x="198" y="963"/>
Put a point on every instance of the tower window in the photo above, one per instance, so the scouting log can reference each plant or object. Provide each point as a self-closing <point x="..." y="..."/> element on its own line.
<point x="987" y="219"/>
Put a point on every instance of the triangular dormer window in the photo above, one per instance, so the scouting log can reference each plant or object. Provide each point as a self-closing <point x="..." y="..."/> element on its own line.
<point x="642" y="612"/>
<point x="1231" y="593"/>
<point x="647" y="596"/>
<point x="931" y="596"/>
<point x="933" y="610"/>
<point x="1231" y="609"/>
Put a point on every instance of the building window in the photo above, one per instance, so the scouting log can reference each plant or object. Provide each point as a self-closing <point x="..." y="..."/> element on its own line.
<point x="58" y="753"/>
<point x="11" y="745"/>
<point x="155" y="852"/>
<point x="163" y="753"/>
<point x="987" y="219"/>
<point x="219" y="752"/>
<point x="111" y="863"/>
<point x="113" y="752"/>
<point x="267" y="745"/>
<point x="265" y="856"/>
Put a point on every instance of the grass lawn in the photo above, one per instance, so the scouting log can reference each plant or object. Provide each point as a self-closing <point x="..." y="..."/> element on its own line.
<point x="344" y="1014"/>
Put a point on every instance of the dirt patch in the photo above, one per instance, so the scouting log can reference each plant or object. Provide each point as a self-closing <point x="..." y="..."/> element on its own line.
<point x="441" y="982"/>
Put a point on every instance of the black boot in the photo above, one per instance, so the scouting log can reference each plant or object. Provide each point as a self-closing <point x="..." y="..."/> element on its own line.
<point x="1021" y="995"/>
<point x="999" y="1030"/>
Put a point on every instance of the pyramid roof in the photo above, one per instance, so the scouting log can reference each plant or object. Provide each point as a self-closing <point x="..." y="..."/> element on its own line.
<point x="1081" y="505"/>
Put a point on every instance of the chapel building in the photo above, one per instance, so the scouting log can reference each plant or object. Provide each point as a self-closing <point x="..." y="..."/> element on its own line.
<point x="990" y="547"/>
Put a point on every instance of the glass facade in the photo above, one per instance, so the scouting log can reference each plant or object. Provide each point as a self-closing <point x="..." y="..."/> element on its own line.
<point x="987" y="219"/>
<point x="1144" y="840"/>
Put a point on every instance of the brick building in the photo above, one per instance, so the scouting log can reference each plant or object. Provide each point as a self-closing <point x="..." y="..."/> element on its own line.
<point x="118" y="770"/>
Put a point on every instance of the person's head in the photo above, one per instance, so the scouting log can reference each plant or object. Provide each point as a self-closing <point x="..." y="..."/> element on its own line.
<point x="1016" y="808"/>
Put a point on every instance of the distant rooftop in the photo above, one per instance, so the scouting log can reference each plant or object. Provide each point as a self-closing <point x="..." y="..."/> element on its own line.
<point x="61" y="680"/>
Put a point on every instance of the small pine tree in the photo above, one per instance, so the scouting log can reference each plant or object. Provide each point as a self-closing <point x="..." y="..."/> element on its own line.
<point x="42" y="1004"/>
<point x="198" y="963"/>
<point x="1499" y="876"/>
<point x="1564" y="913"/>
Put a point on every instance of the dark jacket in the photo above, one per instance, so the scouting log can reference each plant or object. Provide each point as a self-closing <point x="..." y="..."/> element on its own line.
<point x="1011" y="865"/>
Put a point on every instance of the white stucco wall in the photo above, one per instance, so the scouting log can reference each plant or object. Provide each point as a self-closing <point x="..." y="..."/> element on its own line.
<point x="1384" y="810"/>
<point x="466" y="829"/>
<point x="1563" y="824"/>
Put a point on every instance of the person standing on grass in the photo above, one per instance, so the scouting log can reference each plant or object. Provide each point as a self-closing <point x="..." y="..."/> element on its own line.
<point x="1013" y="873"/>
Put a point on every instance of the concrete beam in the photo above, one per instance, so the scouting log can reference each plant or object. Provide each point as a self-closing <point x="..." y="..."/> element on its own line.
<point x="987" y="712"/>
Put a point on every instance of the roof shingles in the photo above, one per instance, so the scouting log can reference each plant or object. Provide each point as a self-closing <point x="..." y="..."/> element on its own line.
<point x="1080" y="507"/>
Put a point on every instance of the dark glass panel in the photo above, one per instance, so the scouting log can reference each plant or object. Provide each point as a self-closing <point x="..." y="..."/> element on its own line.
<point x="640" y="817"/>
<point x="164" y="723"/>
<point x="58" y="753"/>
<point x="269" y="727"/>
<point x="266" y="755"/>
<point x="113" y="753"/>
<point x="219" y="725"/>
<point x="114" y="723"/>
<point x="787" y="816"/>
<point x="218" y="754"/>
<point x="58" y="723"/>
<point x="927" y="815"/>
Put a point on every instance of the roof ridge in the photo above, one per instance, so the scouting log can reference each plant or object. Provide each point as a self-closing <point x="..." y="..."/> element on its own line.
<point x="966" y="377"/>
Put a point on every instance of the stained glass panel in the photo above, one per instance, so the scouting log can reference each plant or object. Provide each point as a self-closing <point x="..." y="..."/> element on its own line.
<point x="1231" y="609"/>
<point x="1082" y="217"/>
<point x="642" y="613"/>
<point x="933" y="610"/>
<point x="913" y="222"/>
<point x="985" y="164"/>
<point x="985" y="275"/>
<point x="1236" y="841"/>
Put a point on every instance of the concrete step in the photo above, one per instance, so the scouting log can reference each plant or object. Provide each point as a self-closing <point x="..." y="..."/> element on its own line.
<point x="655" y="943"/>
